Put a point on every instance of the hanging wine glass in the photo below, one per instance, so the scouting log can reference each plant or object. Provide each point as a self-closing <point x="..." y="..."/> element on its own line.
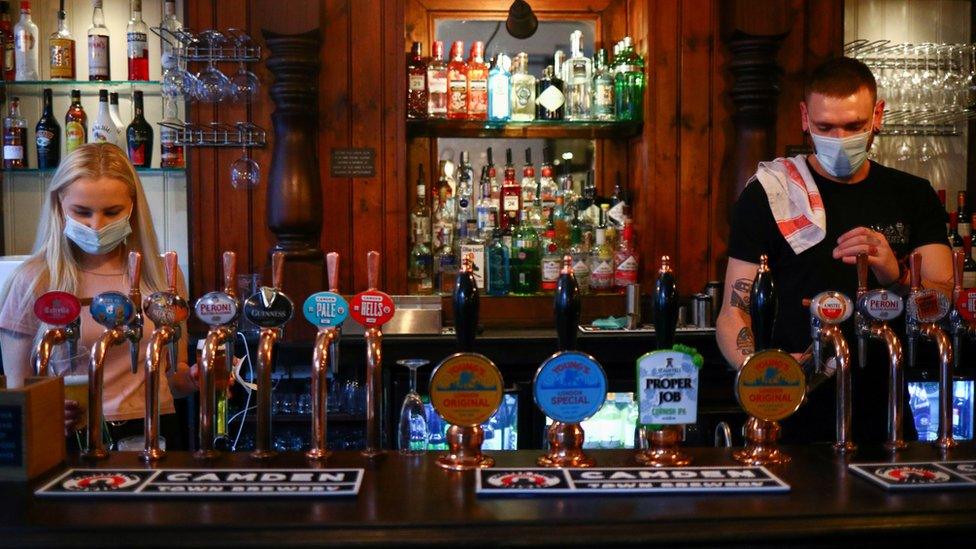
<point x="245" y="172"/>
<point x="413" y="429"/>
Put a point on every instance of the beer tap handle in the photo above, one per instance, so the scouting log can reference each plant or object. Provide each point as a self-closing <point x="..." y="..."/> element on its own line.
<point x="862" y="274"/>
<point x="665" y="305"/>
<point x="466" y="305"/>
<point x="567" y="306"/>
<point x="332" y="264"/>
<point x="762" y="305"/>
<point x="277" y="269"/>
<point x="135" y="278"/>
<point x="915" y="268"/>
<point x="230" y="273"/>
<point x="169" y="262"/>
<point x="372" y="269"/>
<point x="958" y="259"/>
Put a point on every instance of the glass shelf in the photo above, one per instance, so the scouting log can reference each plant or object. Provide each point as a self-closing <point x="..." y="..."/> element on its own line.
<point x="535" y="129"/>
<point x="40" y="171"/>
<point x="77" y="83"/>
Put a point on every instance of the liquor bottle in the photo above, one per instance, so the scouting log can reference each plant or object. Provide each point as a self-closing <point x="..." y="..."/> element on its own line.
<point x="103" y="129"/>
<point x="485" y="215"/>
<point x="25" y="45"/>
<point x="962" y="214"/>
<point x="601" y="263"/>
<point x="61" y="46"/>
<point x="578" y="79"/>
<point x="625" y="260"/>
<point x="549" y="99"/>
<point x="609" y="228"/>
<point x="417" y="100"/>
<point x="475" y="245"/>
<point x="171" y="154"/>
<point x="139" y="135"/>
<point x="457" y="81"/>
<point x="561" y="224"/>
<point x="499" y="89"/>
<point x="955" y="239"/>
<point x="137" y="43"/>
<point x="508" y="233"/>
<point x="969" y="265"/>
<point x="446" y="262"/>
<point x="99" y="65"/>
<point x="533" y="215"/>
<point x="629" y="84"/>
<point x="619" y="210"/>
<point x="465" y="190"/>
<point x="547" y="184"/>
<point x="494" y="188"/>
<point x="420" y="215"/>
<point x="579" y="251"/>
<point x="558" y="59"/>
<point x="551" y="260"/>
<point x="14" y="138"/>
<point x="567" y="186"/>
<point x="420" y="275"/>
<point x="524" y="261"/>
<point x="168" y="41"/>
<point x="529" y="184"/>
<point x="603" y="104"/>
<point x="498" y="265"/>
<point x="437" y="96"/>
<point x="523" y="90"/>
<point x="511" y="193"/>
<point x="443" y="215"/>
<point x="587" y="211"/>
<point x="477" y="71"/>
<point x="113" y="110"/>
<point x="47" y="136"/>
<point x="7" y="64"/>
<point x="75" y="123"/>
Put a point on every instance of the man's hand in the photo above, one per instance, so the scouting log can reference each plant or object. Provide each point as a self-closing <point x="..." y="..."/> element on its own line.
<point x="881" y="258"/>
<point x="72" y="414"/>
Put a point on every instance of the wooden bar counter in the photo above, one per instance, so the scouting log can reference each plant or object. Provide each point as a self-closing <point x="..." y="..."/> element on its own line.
<point x="411" y="501"/>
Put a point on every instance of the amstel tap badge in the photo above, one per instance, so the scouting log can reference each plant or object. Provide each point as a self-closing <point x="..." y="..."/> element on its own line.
<point x="771" y="385"/>
<point x="466" y="389"/>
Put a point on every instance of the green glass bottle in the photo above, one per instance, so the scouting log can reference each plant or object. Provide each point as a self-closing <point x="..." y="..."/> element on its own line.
<point x="498" y="265"/>
<point x="525" y="265"/>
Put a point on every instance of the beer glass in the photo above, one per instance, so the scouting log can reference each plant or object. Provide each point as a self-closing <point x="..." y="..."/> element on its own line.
<point x="74" y="371"/>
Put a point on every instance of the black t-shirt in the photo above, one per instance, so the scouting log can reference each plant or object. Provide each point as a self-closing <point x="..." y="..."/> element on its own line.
<point x="901" y="206"/>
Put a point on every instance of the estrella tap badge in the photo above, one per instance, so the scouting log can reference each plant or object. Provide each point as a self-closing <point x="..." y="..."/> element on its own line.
<point x="966" y="305"/>
<point x="57" y="308"/>
<point x="326" y="309"/>
<point x="112" y="309"/>
<point x="466" y="389"/>
<point x="268" y="308"/>
<point x="570" y="386"/>
<point x="216" y="309"/>
<point x="667" y="382"/>
<point x="771" y="385"/>
<point x="372" y="308"/>
<point x="831" y="307"/>
<point x="880" y="305"/>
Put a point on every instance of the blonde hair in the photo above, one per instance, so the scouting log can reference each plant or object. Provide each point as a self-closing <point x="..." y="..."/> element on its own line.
<point x="52" y="265"/>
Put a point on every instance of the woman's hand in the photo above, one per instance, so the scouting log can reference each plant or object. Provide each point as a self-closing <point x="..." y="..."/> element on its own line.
<point x="72" y="415"/>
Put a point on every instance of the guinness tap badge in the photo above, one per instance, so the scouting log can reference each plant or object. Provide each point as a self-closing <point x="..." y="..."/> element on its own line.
<point x="268" y="308"/>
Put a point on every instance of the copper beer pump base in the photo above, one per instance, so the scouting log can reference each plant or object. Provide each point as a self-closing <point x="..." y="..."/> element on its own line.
<point x="761" y="447"/>
<point x="464" y="449"/>
<point x="372" y="453"/>
<point x="263" y="454"/>
<point x="565" y="447"/>
<point x="317" y="454"/>
<point x="946" y="443"/>
<point x="152" y="454"/>
<point x="206" y="454"/>
<point x="896" y="445"/>
<point x="99" y="453"/>
<point x="664" y="450"/>
<point x="844" y="447"/>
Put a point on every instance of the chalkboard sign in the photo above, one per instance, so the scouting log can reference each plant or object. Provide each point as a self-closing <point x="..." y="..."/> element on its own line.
<point x="11" y="437"/>
<point x="359" y="162"/>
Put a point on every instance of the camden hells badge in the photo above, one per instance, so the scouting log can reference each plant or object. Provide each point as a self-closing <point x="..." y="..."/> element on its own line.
<point x="831" y="307"/>
<point x="466" y="389"/>
<point x="372" y="308"/>
<point x="880" y="305"/>
<point x="771" y="385"/>
<point x="57" y="308"/>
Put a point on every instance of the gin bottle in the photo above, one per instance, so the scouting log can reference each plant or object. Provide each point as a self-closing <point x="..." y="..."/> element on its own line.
<point x="577" y="78"/>
<point x="603" y="83"/>
<point x="523" y="90"/>
<point x="499" y="87"/>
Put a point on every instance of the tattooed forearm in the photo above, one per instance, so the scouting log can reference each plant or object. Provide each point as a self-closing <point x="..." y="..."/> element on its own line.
<point x="739" y="296"/>
<point x="744" y="342"/>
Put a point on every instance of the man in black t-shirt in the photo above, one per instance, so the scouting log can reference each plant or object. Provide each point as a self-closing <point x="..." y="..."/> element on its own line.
<point x="868" y="208"/>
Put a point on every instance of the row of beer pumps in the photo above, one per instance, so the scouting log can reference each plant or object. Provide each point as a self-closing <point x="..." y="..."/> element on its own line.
<point x="466" y="387"/>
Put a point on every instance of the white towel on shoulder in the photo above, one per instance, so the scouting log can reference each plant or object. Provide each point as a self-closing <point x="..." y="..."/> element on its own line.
<point x="795" y="201"/>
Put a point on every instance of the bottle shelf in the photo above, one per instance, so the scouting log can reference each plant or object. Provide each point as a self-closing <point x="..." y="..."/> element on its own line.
<point x="43" y="171"/>
<point x="15" y="84"/>
<point x="525" y="130"/>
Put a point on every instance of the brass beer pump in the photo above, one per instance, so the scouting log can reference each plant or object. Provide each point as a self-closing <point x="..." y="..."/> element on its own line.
<point x="61" y="310"/>
<point x="167" y="310"/>
<point x="219" y="310"/>
<point x="963" y="316"/>
<point x="117" y="313"/>
<point x="926" y="308"/>
<point x="827" y="311"/>
<point x="374" y="367"/>
<point x="874" y="309"/>
<point x="327" y="310"/>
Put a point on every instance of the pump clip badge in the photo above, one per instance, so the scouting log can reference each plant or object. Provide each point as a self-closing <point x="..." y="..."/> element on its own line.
<point x="326" y="309"/>
<point x="57" y="308"/>
<point x="372" y="308"/>
<point x="667" y="385"/>
<point x="466" y="389"/>
<point x="928" y="306"/>
<point x="216" y="309"/>
<point x="966" y="305"/>
<point x="831" y="307"/>
<point x="570" y="386"/>
<point x="880" y="305"/>
<point x="771" y="385"/>
<point x="268" y="308"/>
<point x="112" y="309"/>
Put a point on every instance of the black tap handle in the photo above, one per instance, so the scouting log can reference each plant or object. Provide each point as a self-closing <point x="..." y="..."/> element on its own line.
<point x="762" y="305"/>
<point x="466" y="305"/>
<point x="567" y="306"/>
<point x="665" y="305"/>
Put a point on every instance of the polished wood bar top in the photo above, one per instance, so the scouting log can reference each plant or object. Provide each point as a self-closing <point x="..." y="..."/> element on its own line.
<point x="406" y="500"/>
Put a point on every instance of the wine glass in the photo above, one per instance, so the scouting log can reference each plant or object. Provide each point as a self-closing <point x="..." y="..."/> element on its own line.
<point x="245" y="84"/>
<point x="245" y="172"/>
<point x="412" y="432"/>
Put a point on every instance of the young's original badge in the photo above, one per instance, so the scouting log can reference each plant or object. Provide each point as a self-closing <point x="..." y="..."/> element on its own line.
<point x="771" y="385"/>
<point x="667" y="382"/>
<point x="466" y="389"/>
<point x="570" y="386"/>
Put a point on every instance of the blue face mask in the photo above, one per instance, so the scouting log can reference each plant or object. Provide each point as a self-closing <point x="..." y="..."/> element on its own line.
<point x="841" y="156"/>
<point x="98" y="242"/>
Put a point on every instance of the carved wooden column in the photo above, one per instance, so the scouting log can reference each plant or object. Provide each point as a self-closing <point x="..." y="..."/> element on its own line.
<point x="755" y="92"/>
<point x="294" y="199"/>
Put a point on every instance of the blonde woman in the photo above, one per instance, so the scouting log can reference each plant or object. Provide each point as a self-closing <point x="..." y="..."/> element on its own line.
<point x="94" y="214"/>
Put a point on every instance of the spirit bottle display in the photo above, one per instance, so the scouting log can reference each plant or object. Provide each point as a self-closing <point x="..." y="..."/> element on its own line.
<point x="26" y="45"/>
<point x="61" y="49"/>
<point x="457" y="81"/>
<point x="14" y="137"/>
<point x="137" y="43"/>
<point x="75" y="123"/>
<point x="477" y="77"/>
<point x="139" y="135"/>
<point x="523" y="90"/>
<point x="437" y="88"/>
<point x="417" y="101"/>
<point x="103" y="129"/>
<point x="99" y="66"/>
<point x="578" y="79"/>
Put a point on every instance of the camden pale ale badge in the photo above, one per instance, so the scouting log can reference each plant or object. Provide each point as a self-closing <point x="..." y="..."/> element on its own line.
<point x="372" y="308"/>
<point x="466" y="389"/>
<point x="57" y="308"/>
<point x="326" y="309"/>
<point x="570" y="387"/>
<point x="667" y="382"/>
<point x="771" y="385"/>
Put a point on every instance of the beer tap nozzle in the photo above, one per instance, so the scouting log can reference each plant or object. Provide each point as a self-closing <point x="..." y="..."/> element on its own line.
<point x="860" y="323"/>
<point x="171" y="266"/>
